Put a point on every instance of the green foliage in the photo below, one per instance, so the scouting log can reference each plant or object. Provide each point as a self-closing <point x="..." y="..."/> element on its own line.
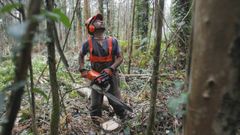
<point x="142" y="58"/>
<point x="39" y="63"/>
<point x="57" y="15"/>
<point x="6" y="73"/>
<point x="9" y="7"/>
<point x="24" y="114"/>
<point x="73" y="94"/>
<point x="42" y="93"/>
<point x="123" y="85"/>
<point x="175" y="104"/>
<point x="123" y="43"/>
<point x="127" y="131"/>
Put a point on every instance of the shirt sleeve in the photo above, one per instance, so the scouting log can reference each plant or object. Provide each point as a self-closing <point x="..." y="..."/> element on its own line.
<point x="116" y="47"/>
<point x="85" y="48"/>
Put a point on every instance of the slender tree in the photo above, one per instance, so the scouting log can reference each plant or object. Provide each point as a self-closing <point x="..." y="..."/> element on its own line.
<point x="55" y="115"/>
<point x="159" y="4"/>
<point x="181" y="24"/>
<point x="130" y="46"/>
<point x="118" y="22"/>
<point x="87" y="13"/>
<point x="22" y="63"/>
<point x="100" y="6"/>
<point x="32" y="100"/>
<point x="213" y="107"/>
<point x="79" y="35"/>
<point x="142" y="15"/>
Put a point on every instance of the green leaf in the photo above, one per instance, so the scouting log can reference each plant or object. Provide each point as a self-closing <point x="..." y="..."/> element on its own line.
<point x="178" y="84"/>
<point x="50" y="15"/>
<point x="57" y="15"/>
<point x="10" y="7"/>
<point x="127" y="131"/>
<point x="174" y="104"/>
<point x="39" y="91"/>
<point x="63" y="18"/>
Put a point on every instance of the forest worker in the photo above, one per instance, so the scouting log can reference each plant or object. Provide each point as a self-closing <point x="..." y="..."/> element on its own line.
<point x="105" y="56"/>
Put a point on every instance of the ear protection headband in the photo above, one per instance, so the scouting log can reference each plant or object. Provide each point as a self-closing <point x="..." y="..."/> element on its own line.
<point x="91" y="27"/>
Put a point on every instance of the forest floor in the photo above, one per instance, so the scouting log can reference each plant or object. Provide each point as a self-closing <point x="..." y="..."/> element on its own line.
<point x="135" y="89"/>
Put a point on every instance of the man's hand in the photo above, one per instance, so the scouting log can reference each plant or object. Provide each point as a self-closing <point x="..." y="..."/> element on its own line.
<point x="83" y="72"/>
<point x="108" y="71"/>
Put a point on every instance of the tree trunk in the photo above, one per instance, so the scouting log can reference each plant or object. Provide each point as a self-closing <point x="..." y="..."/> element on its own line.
<point x="32" y="100"/>
<point x="79" y="22"/>
<point x="150" y="29"/>
<point x="100" y="6"/>
<point x="159" y="4"/>
<point x="145" y="19"/>
<point x="54" y="125"/>
<point x="130" y="46"/>
<point x="214" y="98"/>
<point x="108" y="27"/>
<point x="118" y="22"/>
<point x="22" y="63"/>
<point x="126" y="20"/>
<point x="86" y="14"/>
<point x="182" y="19"/>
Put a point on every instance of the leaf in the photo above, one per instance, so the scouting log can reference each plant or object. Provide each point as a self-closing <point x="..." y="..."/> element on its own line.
<point x="127" y="131"/>
<point x="39" y="91"/>
<point x="10" y="7"/>
<point x="63" y="18"/>
<point x="178" y="84"/>
<point x="50" y="15"/>
<point x="18" y="30"/>
<point x="57" y="15"/>
<point x="174" y="104"/>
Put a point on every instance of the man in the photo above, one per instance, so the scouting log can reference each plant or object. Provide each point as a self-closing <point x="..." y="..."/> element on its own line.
<point x="105" y="57"/>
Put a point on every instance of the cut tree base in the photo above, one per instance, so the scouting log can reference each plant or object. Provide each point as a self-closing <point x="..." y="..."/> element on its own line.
<point x="110" y="126"/>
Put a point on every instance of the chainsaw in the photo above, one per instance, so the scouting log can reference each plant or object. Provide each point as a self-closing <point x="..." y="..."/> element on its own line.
<point x="100" y="83"/>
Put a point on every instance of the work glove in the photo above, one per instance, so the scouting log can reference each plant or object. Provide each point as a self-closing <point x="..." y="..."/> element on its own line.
<point x="83" y="72"/>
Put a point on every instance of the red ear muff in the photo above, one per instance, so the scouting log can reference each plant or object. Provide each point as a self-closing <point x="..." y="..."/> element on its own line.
<point x="91" y="28"/>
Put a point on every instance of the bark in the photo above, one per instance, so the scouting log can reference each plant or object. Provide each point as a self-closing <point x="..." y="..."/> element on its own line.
<point x="22" y="63"/>
<point x="189" y="54"/>
<point x="130" y="46"/>
<point x="159" y="4"/>
<point x="150" y="30"/>
<point x="55" y="115"/>
<point x="181" y="16"/>
<point x="214" y="98"/>
<point x="142" y="15"/>
<point x="126" y="20"/>
<point x="60" y="51"/>
<point x="32" y="102"/>
<point x="108" y="26"/>
<point x="79" y="22"/>
<point x="86" y="14"/>
<point x="118" y="22"/>
<point x="100" y="6"/>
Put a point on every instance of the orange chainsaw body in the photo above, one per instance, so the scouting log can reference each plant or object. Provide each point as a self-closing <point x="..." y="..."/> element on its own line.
<point x="91" y="75"/>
